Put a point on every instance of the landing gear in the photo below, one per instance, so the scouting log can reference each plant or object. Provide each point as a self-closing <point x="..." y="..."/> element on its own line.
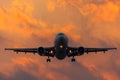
<point x="73" y="59"/>
<point x="48" y="60"/>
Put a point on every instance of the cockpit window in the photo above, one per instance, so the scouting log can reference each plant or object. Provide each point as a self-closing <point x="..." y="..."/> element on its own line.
<point x="61" y="34"/>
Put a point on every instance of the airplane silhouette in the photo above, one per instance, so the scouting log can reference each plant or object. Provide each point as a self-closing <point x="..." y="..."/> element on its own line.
<point x="60" y="50"/>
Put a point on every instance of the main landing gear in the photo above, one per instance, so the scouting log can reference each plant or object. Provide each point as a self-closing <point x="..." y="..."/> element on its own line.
<point x="73" y="59"/>
<point x="48" y="60"/>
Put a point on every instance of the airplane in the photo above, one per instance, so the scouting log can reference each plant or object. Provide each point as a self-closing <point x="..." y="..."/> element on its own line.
<point x="60" y="50"/>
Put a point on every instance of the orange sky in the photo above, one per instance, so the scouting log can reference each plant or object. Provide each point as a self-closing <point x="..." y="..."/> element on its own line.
<point x="34" y="23"/>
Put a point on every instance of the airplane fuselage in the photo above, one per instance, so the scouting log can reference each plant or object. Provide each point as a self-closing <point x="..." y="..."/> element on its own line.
<point x="61" y="44"/>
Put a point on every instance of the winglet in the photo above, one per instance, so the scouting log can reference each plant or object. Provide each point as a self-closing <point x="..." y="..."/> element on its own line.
<point x="8" y="49"/>
<point x="5" y="49"/>
<point x="113" y="48"/>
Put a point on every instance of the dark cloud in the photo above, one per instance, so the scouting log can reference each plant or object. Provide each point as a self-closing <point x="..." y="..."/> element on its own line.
<point x="34" y="71"/>
<point x="2" y="77"/>
<point x="76" y="71"/>
<point x="20" y="74"/>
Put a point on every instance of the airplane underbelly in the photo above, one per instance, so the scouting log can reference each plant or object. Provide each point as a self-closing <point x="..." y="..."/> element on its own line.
<point x="60" y="54"/>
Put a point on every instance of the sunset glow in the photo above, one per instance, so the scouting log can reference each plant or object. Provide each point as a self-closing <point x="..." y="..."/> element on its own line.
<point x="35" y="23"/>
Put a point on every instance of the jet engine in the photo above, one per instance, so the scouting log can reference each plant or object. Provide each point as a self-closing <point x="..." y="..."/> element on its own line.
<point x="41" y="51"/>
<point x="81" y="50"/>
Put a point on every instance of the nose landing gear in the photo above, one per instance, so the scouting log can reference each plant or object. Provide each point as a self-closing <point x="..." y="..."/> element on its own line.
<point x="73" y="59"/>
<point x="48" y="60"/>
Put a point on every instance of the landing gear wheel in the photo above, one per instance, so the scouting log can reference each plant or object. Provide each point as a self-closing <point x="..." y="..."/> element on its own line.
<point x="73" y="60"/>
<point x="48" y="60"/>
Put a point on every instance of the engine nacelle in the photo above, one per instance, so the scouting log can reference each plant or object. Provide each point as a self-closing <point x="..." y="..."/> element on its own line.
<point x="41" y="51"/>
<point x="81" y="50"/>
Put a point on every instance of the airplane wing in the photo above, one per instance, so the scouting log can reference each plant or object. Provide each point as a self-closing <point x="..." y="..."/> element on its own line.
<point x="41" y="51"/>
<point x="26" y="50"/>
<point x="87" y="50"/>
<point x="81" y="50"/>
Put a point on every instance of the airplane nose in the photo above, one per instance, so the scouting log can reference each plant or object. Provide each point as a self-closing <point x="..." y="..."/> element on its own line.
<point x="62" y="39"/>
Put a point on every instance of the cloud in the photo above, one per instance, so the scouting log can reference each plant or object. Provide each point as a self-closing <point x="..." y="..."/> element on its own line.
<point x="25" y="6"/>
<point x="2" y="77"/>
<point x="21" y="74"/>
<point x="97" y="12"/>
<point x="29" y="68"/>
<point x="107" y="12"/>
<point x="86" y="23"/>
<point x="110" y="76"/>
<point x="51" y="5"/>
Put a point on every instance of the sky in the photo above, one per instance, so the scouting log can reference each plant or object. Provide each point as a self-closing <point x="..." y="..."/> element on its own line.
<point x="35" y="23"/>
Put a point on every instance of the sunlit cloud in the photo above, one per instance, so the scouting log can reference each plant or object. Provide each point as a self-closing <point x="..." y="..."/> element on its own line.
<point x="51" y="5"/>
<point x="93" y="23"/>
<point x="26" y="6"/>
<point x="105" y="11"/>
